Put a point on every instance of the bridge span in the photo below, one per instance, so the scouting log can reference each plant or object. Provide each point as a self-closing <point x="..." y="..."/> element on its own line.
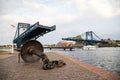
<point x="64" y="48"/>
<point x="88" y="38"/>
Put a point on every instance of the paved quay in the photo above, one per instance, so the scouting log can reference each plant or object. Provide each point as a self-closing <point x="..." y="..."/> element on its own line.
<point x="10" y="69"/>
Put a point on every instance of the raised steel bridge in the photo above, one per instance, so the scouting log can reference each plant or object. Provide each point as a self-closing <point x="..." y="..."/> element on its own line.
<point x="88" y="38"/>
<point x="30" y="49"/>
<point x="27" y="32"/>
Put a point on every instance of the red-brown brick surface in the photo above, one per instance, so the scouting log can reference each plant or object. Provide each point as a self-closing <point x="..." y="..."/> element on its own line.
<point x="10" y="69"/>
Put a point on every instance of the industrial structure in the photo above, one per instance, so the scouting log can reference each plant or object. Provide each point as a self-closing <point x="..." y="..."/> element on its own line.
<point x="88" y="38"/>
<point x="30" y="49"/>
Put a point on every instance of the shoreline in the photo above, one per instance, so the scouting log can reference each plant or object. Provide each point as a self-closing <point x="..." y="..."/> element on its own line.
<point x="97" y="70"/>
<point x="78" y="68"/>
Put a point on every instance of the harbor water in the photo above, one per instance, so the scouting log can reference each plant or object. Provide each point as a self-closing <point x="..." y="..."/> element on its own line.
<point x="107" y="58"/>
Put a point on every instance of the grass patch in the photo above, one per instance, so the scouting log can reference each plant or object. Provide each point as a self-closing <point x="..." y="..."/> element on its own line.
<point x="2" y="51"/>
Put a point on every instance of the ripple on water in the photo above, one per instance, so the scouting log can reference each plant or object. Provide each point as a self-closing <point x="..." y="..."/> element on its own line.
<point x="107" y="58"/>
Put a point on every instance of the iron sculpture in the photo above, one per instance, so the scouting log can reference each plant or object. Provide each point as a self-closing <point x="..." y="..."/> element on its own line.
<point x="30" y="49"/>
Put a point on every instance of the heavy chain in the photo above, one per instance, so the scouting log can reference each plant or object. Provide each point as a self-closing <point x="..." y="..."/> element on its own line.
<point x="32" y="51"/>
<point x="47" y="64"/>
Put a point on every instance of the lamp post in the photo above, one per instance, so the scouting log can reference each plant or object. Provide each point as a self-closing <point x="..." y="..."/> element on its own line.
<point x="12" y="41"/>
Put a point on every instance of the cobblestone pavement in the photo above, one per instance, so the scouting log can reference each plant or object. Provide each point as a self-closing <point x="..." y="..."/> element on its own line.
<point x="10" y="69"/>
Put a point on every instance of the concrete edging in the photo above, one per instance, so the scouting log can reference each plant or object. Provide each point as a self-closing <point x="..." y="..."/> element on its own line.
<point x="97" y="70"/>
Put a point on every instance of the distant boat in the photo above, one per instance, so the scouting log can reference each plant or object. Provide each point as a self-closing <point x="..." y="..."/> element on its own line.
<point x="89" y="47"/>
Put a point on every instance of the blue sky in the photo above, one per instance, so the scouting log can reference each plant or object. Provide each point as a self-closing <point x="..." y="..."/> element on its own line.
<point x="71" y="17"/>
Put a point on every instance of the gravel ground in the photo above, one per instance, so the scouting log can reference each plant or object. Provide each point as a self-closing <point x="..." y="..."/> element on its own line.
<point x="10" y="69"/>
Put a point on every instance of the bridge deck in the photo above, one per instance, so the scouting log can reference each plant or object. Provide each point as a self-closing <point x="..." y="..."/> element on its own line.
<point x="33" y="31"/>
<point x="64" y="48"/>
<point x="86" y="41"/>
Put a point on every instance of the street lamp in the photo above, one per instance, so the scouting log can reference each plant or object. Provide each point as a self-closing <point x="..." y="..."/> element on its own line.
<point x="12" y="41"/>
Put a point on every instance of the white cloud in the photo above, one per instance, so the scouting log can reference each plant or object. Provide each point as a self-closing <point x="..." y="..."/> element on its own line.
<point x="77" y="14"/>
<point x="68" y="12"/>
<point x="32" y="11"/>
<point x="103" y="8"/>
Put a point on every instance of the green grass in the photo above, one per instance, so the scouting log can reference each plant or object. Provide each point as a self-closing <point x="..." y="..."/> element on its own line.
<point x="2" y="51"/>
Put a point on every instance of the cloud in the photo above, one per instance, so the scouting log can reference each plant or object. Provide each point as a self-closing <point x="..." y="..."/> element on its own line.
<point x="33" y="11"/>
<point x="103" y="8"/>
<point x="70" y="11"/>
<point x="72" y="17"/>
<point x="54" y="14"/>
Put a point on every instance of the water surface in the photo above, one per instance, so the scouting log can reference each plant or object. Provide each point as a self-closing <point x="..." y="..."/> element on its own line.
<point x="107" y="58"/>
